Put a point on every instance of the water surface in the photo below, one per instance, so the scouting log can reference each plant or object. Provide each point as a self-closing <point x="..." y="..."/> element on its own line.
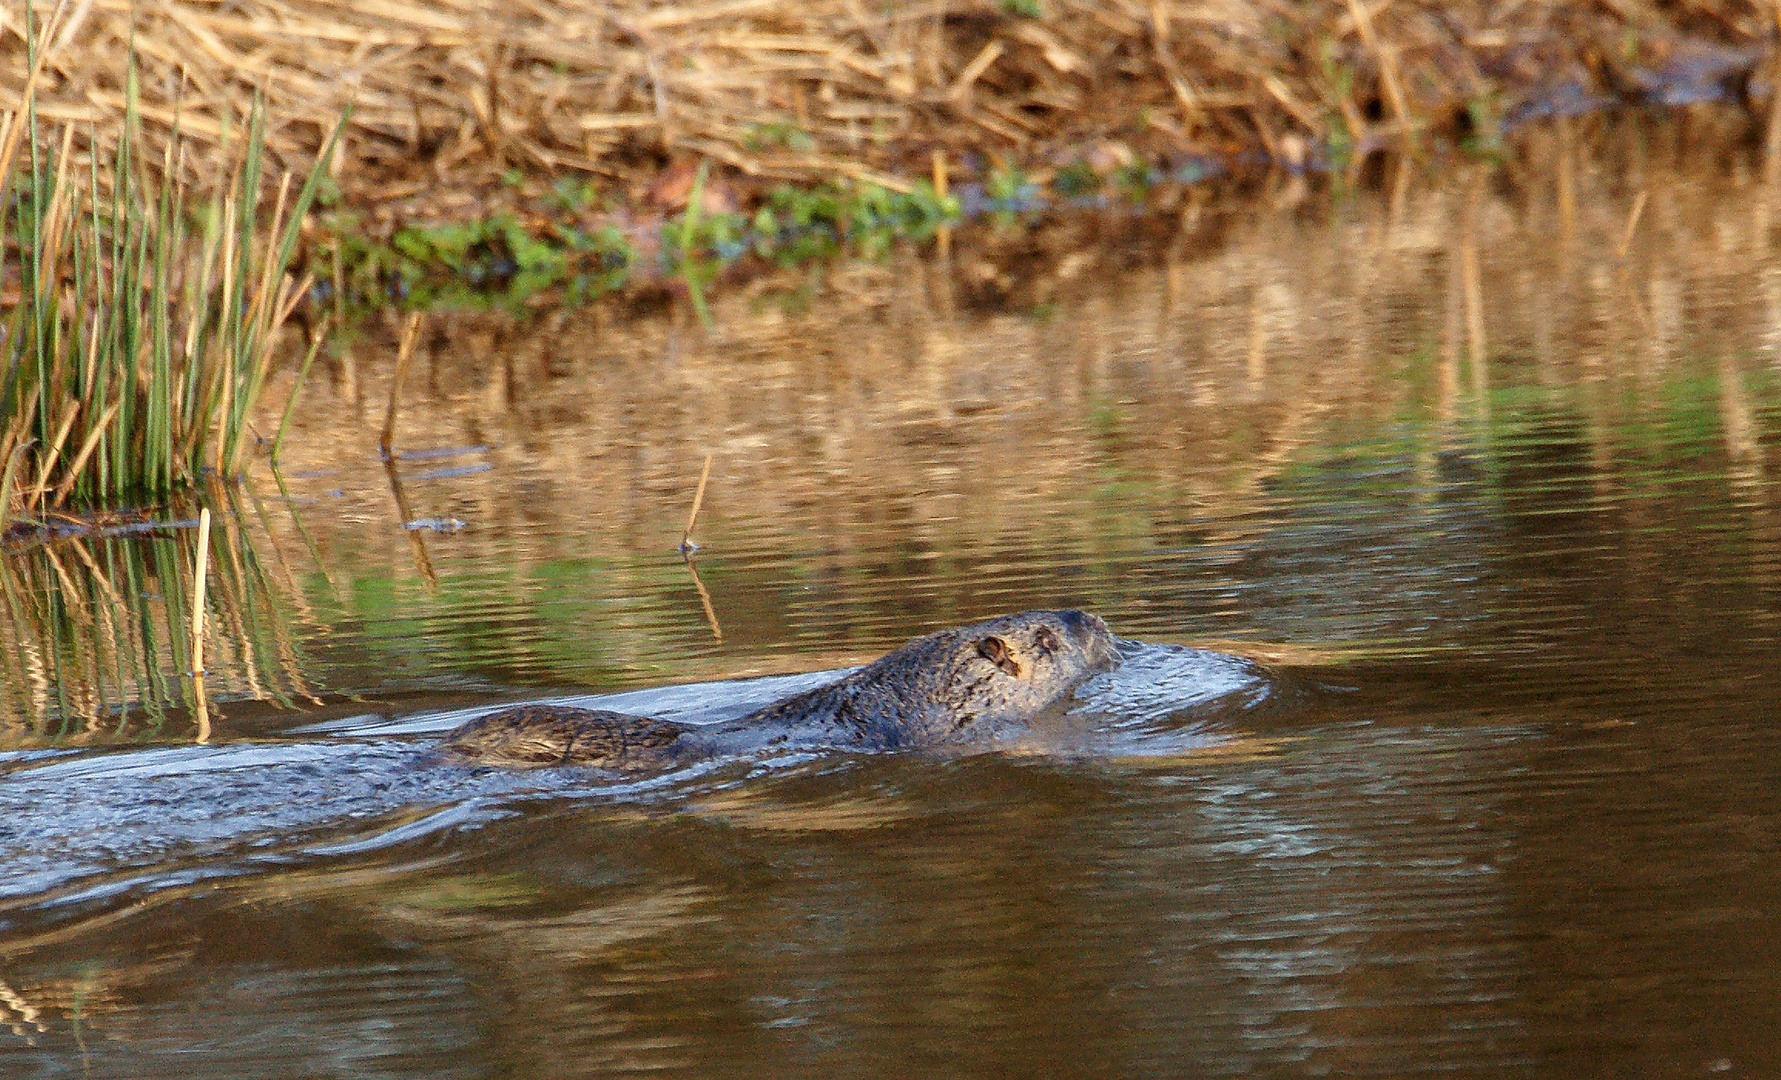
<point x="1490" y="500"/>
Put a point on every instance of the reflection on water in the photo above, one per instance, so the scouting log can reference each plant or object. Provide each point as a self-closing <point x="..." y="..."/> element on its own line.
<point x="97" y="643"/>
<point x="1324" y="434"/>
<point x="1487" y="473"/>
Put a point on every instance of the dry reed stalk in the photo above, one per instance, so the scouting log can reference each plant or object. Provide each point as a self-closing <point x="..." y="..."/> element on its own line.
<point x="198" y="584"/>
<point x="686" y="538"/>
<point x="1386" y="57"/>
<point x="404" y="354"/>
<point x="77" y="467"/>
<point x="55" y="451"/>
<point x="8" y="481"/>
<point x="15" y="129"/>
<point x="1191" y="108"/>
<point x="270" y="268"/>
<point x="960" y="90"/>
<point x="59" y="219"/>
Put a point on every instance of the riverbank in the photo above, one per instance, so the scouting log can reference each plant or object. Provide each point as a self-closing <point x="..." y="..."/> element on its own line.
<point x="613" y="101"/>
<point x="550" y="151"/>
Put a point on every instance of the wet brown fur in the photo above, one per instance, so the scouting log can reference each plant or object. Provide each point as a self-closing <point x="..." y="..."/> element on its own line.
<point x="952" y="687"/>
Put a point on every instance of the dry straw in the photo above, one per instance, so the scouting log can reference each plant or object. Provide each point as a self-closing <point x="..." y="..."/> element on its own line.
<point x="869" y="89"/>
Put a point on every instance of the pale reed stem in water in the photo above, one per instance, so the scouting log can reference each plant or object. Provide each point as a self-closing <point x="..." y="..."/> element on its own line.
<point x="198" y="592"/>
<point x="686" y="538"/>
<point x="200" y="703"/>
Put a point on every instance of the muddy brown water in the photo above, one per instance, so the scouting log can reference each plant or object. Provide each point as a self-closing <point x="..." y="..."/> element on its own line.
<point x="1494" y="501"/>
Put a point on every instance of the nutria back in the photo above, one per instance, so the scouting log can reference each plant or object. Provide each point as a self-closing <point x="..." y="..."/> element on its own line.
<point x="967" y="685"/>
<point x="527" y="736"/>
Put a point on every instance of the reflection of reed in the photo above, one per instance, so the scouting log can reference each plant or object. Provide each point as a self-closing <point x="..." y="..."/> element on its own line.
<point x="1566" y="174"/>
<point x="1472" y="283"/>
<point x="288" y="659"/>
<point x="315" y="553"/>
<point x="102" y="635"/>
<point x="404" y="355"/>
<point x="1771" y="144"/>
<point x="704" y="598"/>
<point x="416" y="542"/>
<point x="1081" y="371"/>
<point x="1739" y="426"/>
<point x="200" y="710"/>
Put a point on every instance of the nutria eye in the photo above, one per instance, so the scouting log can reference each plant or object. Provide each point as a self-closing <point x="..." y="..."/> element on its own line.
<point x="996" y="651"/>
<point x="1045" y="639"/>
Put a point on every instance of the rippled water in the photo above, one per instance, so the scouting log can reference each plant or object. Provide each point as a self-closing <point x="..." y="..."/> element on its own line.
<point x="1490" y="504"/>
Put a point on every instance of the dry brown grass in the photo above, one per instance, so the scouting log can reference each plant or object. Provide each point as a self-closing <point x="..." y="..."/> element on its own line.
<point x="807" y="89"/>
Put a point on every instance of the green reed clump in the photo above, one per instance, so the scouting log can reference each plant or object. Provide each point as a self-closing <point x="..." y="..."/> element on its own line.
<point x="148" y="312"/>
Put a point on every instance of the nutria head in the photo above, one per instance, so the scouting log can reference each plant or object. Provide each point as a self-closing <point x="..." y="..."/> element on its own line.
<point x="1043" y="646"/>
<point x="1015" y="667"/>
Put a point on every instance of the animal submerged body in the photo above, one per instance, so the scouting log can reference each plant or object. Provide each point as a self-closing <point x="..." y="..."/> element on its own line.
<point x="966" y="686"/>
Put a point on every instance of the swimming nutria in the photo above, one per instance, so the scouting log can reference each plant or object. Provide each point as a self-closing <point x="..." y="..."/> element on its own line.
<point x="959" y="686"/>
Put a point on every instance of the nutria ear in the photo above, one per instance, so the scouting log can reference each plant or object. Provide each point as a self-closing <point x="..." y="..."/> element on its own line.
<point x="996" y="651"/>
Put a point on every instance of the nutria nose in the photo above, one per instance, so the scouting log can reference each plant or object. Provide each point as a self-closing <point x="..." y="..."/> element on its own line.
<point x="1091" y="634"/>
<point x="1081" y="625"/>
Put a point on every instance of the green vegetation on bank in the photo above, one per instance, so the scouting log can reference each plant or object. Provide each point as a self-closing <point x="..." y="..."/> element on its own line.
<point x="570" y="252"/>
